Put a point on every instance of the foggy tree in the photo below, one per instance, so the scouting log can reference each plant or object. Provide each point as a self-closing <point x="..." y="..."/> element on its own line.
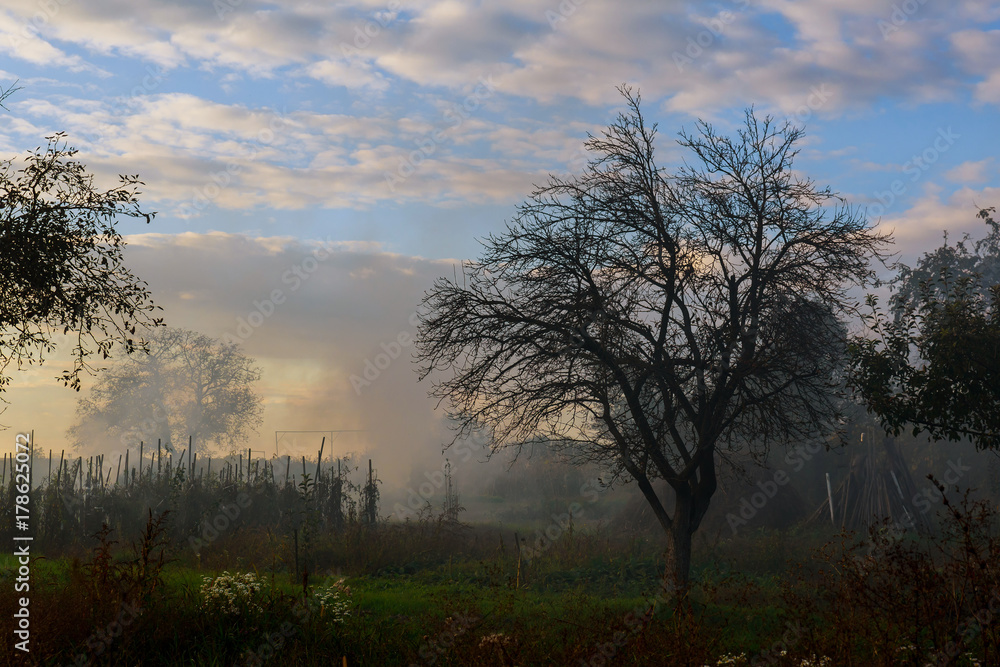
<point x="61" y="266"/>
<point x="933" y="364"/>
<point x="188" y="384"/>
<point x="647" y="321"/>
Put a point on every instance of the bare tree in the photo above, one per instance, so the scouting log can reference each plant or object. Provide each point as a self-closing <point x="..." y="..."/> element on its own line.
<point x="648" y="321"/>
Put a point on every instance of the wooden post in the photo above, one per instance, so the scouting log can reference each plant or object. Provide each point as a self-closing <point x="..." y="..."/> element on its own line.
<point x="117" y="471"/>
<point x="319" y="461"/>
<point x="141" y="451"/>
<point x="829" y="495"/>
<point x="159" y="458"/>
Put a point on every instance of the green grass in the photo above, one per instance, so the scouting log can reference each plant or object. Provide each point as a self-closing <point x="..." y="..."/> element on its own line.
<point x="425" y="597"/>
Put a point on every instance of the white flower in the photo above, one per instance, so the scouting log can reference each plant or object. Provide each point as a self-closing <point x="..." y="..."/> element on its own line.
<point x="231" y="593"/>
<point x="333" y="600"/>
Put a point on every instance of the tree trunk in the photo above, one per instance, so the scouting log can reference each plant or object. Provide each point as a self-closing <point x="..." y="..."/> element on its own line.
<point x="679" y="559"/>
<point x="692" y="500"/>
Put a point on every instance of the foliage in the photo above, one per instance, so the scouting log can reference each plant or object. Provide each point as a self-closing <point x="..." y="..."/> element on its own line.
<point x="911" y="602"/>
<point x="232" y="593"/>
<point x="934" y="365"/>
<point x="186" y="384"/>
<point x="978" y="261"/>
<point x="907" y="601"/>
<point x="650" y="321"/>
<point x="333" y="600"/>
<point x="62" y="267"/>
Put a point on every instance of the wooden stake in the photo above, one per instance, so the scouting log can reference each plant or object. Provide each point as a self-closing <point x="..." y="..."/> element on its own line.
<point x="829" y="495"/>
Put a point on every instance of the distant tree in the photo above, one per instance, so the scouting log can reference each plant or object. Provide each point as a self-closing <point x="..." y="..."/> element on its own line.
<point x="649" y="321"/>
<point x="933" y="363"/>
<point x="188" y="384"/>
<point x="61" y="265"/>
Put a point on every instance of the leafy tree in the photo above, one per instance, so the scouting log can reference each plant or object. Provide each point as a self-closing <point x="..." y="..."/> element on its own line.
<point x="61" y="265"/>
<point x="649" y="322"/>
<point x="188" y="384"/>
<point x="934" y="364"/>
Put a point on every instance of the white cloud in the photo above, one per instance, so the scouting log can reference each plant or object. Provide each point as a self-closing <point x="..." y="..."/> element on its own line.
<point x="339" y="302"/>
<point x="919" y="228"/>
<point x="973" y="172"/>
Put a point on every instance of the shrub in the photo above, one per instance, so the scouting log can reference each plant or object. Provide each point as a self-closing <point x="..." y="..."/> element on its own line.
<point x="232" y="593"/>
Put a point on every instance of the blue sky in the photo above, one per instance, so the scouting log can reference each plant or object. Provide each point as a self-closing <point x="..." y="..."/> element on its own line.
<point x="396" y="133"/>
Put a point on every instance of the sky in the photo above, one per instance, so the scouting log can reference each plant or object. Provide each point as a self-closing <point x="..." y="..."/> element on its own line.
<point x="346" y="154"/>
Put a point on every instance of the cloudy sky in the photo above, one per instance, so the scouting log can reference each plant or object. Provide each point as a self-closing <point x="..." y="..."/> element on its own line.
<point x="387" y="136"/>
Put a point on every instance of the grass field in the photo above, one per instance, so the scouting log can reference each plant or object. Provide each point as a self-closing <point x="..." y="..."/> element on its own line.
<point x="463" y="598"/>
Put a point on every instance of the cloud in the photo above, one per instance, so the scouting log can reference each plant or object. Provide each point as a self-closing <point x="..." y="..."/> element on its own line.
<point x="341" y="306"/>
<point x="21" y="37"/>
<point x="919" y="228"/>
<point x="970" y="172"/>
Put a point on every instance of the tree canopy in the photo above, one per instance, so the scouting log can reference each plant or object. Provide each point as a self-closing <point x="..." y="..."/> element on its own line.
<point x="933" y="363"/>
<point x="649" y="320"/>
<point x="62" y="269"/>
<point x="187" y="385"/>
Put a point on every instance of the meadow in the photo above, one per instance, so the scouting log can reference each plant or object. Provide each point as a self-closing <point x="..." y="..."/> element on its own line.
<point x="439" y="594"/>
<point x="244" y="569"/>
